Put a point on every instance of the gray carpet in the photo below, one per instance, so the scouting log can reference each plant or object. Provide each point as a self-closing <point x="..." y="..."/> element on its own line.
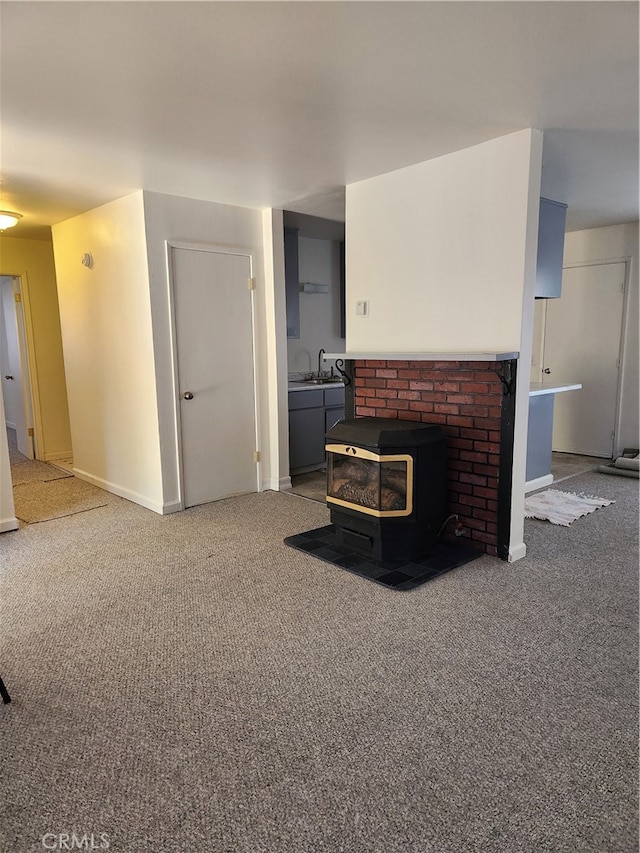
<point x="189" y="683"/>
<point x="32" y="471"/>
<point x="56" y="498"/>
<point x="24" y="470"/>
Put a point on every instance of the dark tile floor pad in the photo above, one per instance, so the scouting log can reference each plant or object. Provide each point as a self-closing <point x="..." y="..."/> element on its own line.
<point x="397" y="574"/>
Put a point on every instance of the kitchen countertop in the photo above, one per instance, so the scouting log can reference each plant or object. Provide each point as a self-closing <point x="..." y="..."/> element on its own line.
<point x="538" y="388"/>
<point x="535" y="389"/>
<point x="423" y="356"/>
<point x="301" y="385"/>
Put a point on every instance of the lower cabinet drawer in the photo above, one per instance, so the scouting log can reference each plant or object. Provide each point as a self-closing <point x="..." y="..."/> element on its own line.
<point x="306" y="399"/>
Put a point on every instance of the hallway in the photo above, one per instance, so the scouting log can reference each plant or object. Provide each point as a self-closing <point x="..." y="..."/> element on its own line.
<point x="42" y="491"/>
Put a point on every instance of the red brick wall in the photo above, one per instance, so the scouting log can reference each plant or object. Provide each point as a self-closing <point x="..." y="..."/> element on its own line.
<point x="464" y="398"/>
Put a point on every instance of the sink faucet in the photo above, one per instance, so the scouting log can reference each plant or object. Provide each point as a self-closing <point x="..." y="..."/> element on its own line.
<point x="320" y="359"/>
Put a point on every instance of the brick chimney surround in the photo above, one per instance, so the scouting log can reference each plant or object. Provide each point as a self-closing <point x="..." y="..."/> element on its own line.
<point x="466" y="399"/>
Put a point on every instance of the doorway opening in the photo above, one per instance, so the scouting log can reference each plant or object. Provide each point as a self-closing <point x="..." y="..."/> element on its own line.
<point x="14" y="365"/>
<point x="581" y="341"/>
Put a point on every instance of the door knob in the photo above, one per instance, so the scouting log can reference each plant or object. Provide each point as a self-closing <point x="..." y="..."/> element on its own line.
<point x="8" y="376"/>
<point x="547" y="370"/>
<point x="187" y="395"/>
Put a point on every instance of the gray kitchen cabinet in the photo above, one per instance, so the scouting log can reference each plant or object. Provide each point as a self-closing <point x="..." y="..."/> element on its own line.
<point x="311" y="413"/>
<point x="306" y="430"/>
<point x="333" y="407"/>
<point x="551" y="228"/>
<point x="292" y="281"/>
<point x="539" y="437"/>
<point x="306" y="439"/>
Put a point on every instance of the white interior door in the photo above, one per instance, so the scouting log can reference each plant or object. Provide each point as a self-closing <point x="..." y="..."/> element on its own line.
<point x="14" y="367"/>
<point x="583" y="333"/>
<point x="213" y="309"/>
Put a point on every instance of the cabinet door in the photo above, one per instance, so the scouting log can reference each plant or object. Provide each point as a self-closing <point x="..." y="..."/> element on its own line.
<point x="539" y="435"/>
<point x="292" y="281"/>
<point x="306" y="438"/>
<point x="551" y="226"/>
<point x="334" y="397"/>
<point x="332" y="416"/>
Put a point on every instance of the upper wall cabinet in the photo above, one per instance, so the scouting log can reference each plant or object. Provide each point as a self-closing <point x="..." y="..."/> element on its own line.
<point x="551" y="226"/>
<point x="297" y="226"/>
<point x="292" y="281"/>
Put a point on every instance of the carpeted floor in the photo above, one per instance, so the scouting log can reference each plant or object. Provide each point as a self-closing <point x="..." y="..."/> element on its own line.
<point x="42" y="492"/>
<point x="190" y="683"/>
<point x="32" y="471"/>
<point x="25" y="470"/>
<point x="42" y="501"/>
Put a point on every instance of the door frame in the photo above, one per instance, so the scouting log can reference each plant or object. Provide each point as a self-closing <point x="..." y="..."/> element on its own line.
<point x="213" y="248"/>
<point x="623" y="332"/>
<point x="25" y="328"/>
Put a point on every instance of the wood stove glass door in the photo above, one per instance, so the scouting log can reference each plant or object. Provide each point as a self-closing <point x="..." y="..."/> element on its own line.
<point x="370" y="483"/>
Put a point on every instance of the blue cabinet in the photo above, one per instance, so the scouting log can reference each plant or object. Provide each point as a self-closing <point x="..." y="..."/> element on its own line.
<point x="551" y="228"/>
<point x="292" y="281"/>
<point x="311" y="413"/>
<point x="539" y="437"/>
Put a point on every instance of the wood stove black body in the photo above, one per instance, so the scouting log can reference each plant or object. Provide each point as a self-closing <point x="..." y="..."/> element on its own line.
<point x="387" y="486"/>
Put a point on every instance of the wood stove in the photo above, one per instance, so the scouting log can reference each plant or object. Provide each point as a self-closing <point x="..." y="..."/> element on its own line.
<point x="387" y="486"/>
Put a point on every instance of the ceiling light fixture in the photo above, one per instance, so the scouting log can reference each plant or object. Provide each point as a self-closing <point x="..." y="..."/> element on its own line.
<point x="8" y="219"/>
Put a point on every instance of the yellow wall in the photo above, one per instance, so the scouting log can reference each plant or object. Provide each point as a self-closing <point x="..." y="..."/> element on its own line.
<point x="105" y="313"/>
<point x="32" y="260"/>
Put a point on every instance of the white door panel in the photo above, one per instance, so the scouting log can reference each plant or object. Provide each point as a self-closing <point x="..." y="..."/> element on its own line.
<point x="215" y="359"/>
<point x="582" y="344"/>
<point x="14" y="366"/>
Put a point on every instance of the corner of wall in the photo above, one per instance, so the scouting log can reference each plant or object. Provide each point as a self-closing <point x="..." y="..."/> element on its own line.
<point x="274" y="374"/>
<point x="518" y="473"/>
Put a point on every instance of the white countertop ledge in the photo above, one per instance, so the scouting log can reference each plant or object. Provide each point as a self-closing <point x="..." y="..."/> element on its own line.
<point x="300" y="385"/>
<point x="538" y="388"/>
<point x="422" y="356"/>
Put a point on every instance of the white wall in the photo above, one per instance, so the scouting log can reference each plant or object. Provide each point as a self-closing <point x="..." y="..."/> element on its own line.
<point x="105" y="316"/>
<point x="615" y="243"/>
<point x="437" y="251"/>
<point x="318" y="262"/>
<point x="190" y="221"/>
<point x="273" y="369"/>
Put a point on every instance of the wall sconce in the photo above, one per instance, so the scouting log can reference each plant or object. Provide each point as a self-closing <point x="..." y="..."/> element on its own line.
<point x="8" y="219"/>
<point x="87" y="260"/>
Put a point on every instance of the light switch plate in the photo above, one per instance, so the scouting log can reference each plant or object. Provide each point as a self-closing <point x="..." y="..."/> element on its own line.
<point x="362" y="309"/>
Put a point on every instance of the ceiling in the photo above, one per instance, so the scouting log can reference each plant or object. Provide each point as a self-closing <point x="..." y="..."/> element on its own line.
<point x="270" y="104"/>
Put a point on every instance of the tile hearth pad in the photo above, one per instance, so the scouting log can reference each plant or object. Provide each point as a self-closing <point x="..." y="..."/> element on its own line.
<point x="397" y="574"/>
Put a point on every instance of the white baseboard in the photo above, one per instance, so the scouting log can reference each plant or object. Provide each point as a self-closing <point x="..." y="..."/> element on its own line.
<point x="7" y="524"/>
<point x="538" y="483"/>
<point x="171" y="506"/>
<point x="120" y="491"/>
<point x="52" y="457"/>
<point x="517" y="552"/>
<point x="273" y="485"/>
